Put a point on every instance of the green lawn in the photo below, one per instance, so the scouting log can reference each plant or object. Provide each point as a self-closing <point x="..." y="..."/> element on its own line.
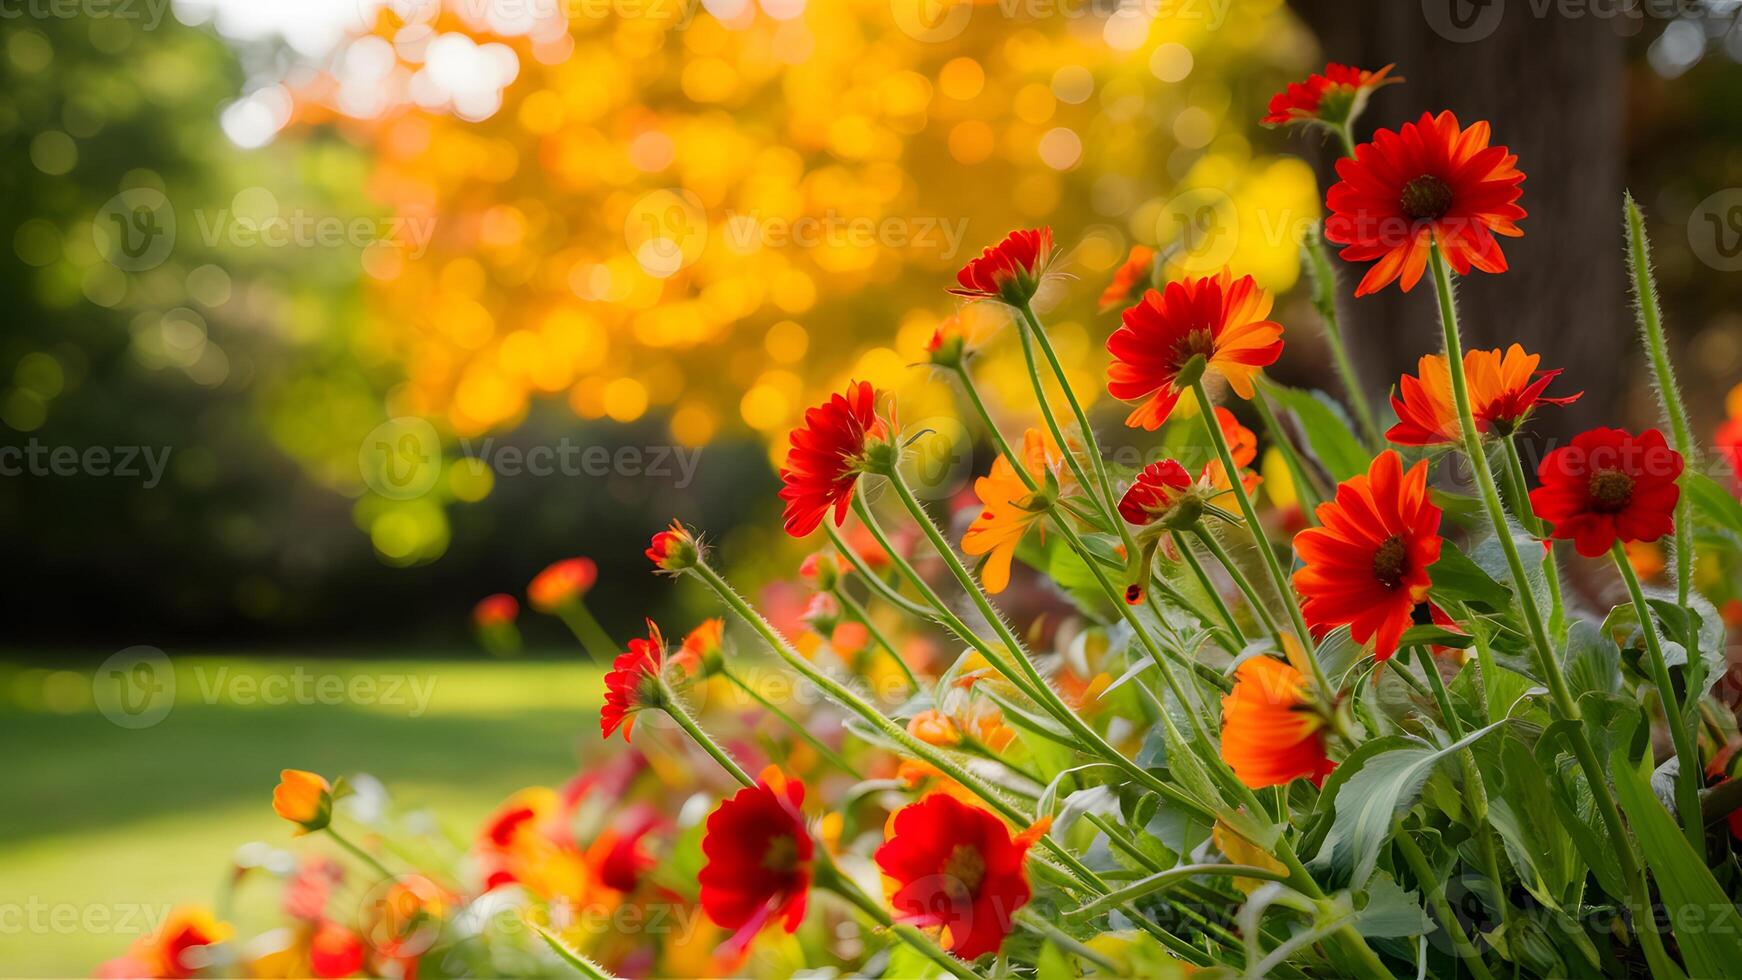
<point x="104" y="825"/>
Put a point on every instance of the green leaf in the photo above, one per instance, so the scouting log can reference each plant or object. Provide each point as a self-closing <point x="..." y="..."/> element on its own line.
<point x="1386" y="786"/>
<point x="1328" y="432"/>
<point x="1457" y="578"/>
<point x="1714" y="504"/>
<point x="1391" y="912"/>
<point x="1707" y="927"/>
<point x="1591" y="660"/>
<point x="1546" y="858"/>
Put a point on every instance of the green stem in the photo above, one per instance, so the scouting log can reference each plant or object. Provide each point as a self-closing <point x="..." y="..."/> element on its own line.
<point x="1437" y="685"/>
<point x="1686" y="750"/>
<point x="831" y="878"/>
<point x="1325" y="299"/>
<point x="1431" y="883"/>
<point x="1191" y="559"/>
<point x="997" y="437"/>
<point x="1306" y="489"/>
<point x="359" y="853"/>
<point x="797" y="726"/>
<point x="587" y="630"/>
<point x="1639" y="895"/>
<point x="1259" y="609"/>
<point x="679" y="714"/>
<point x="1518" y="487"/>
<point x="873" y="581"/>
<point x="1208" y="414"/>
<point x="858" y="612"/>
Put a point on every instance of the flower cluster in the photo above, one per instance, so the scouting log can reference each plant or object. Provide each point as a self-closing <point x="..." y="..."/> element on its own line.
<point x="1157" y="727"/>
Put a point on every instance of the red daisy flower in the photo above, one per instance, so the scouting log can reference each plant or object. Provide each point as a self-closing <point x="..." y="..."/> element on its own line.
<point x="827" y="456"/>
<point x="1010" y="270"/>
<point x="957" y="867"/>
<point x="1609" y="486"/>
<point x="1272" y="734"/>
<point x="494" y="611"/>
<point x="759" y="858"/>
<point x="1333" y="98"/>
<point x="562" y="583"/>
<point x="1223" y="319"/>
<point x="1431" y="180"/>
<point x="1158" y="489"/>
<point x="1504" y="389"/>
<point x="632" y="683"/>
<point x="1367" y="566"/>
<point x="674" y="549"/>
<point x="1136" y="269"/>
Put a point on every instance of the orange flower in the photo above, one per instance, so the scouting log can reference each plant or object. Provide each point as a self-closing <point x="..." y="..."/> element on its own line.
<point x="633" y="683"/>
<point x="1271" y="733"/>
<point x="703" y="648"/>
<point x="1135" y="269"/>
<point x="303" y="798"/>
<point x="827" y="456"/>
<point x="1333" y="98"/>
<point x="1504" y="389"/>
<point x="1242" y="446"/>
<point x="177" y="949"/>
<point x="1220" y="318"/>
<point x="1367" y="566"/>
<point x="933" y="727"/>
<point x="495" y="611"/>
<point x="959" y="336"/>
<point x="561" y="584"/>
<point x="1430" y="180"/>
<point x="525" y="842"/>
<point x="1010" y="270"/>
<point x="1008" y="510"/>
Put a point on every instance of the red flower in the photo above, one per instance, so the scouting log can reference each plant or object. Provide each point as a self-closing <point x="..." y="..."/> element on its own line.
<point x="1430" y="180"/>
<point x="1367" y="566"/>
<point x="1334" y="98"/>
<point x="1219" y="317"/>
<point x="495" y="610"/>
<point x="1156" y="491"/>
<point x="674" y="549"/>
<point x="1271" y="732"/>
<point x="334" y="951"/>
<point x="957" y="866"/>
<point x="827" y="456"/>
<point x="1136" y="269"/>
<point x="1609" y="486"/>
<point x="1729" y="440"/>
<point x="759" y="857"/>
<point x="1504" y="390"/>
<point x="562" y="583"/>
<point x="633" y="683"/>
<point x="1010" y="270"/>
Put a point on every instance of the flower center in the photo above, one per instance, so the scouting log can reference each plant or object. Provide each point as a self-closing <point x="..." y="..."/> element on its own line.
<point x="1427" y="197"/>
<point x="965" y="867"/>
<point x="1611" y="490"/>
<point x="781" y="854"/>
<point x="1389" y="561"/>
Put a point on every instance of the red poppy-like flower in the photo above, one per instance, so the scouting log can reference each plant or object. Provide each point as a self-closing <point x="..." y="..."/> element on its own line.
<point x="1010" y="270"/>
<point x="632" y="683"/>
<point x="1367" y="566"/>
<point x="334" y="951"/>
<point x="1223" y="319"/>
<point x="495" y="610"/>
<point x="1504" y="389"/>
<point x="1272" y="734"/>
<point x="562" y="583"/>
<point x="958" y="867"/>
<point x="827" y="455"/>
<point x="1608" y="486"/>
<point x="1333" y="98"/>
<point x="674" y="549"/>
<point x="1431" y="180"/>
<point x="759" y="857"/>
<point x="1135" y="269"/>
<point x="1158" y="489"/>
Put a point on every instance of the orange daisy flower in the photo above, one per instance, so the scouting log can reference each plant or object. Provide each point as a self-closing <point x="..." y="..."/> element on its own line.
<point x="1010" y="270"/>
<point x="1223" y="319"/>
<point x="1431" y="180"/>
<point x="1504" y="389"/>
<point x="827" y="456"/>
<point x="1332" y="98"/>
<point x="1006" y="515"/>
<point x="1272" y="734"/>
<point x="1136" y="269"/>
<point x="704" y="648"/>
<point x="565" y="582"/>
<point x="632" y="683"/>
<point x="1242" y="446"/>
<point x="1367" y="566"/>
